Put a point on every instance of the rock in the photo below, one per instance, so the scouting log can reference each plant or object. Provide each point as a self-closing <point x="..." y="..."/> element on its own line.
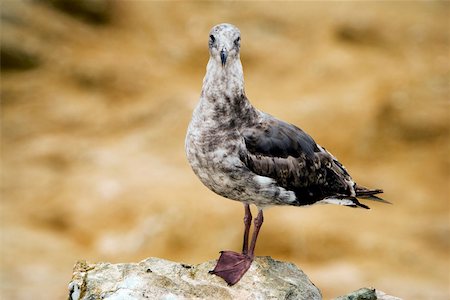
<point x="411" y="115"/>
<point x="92" y="11"/>
<point x="156" y="278"/>
<point x="357" y="32"/>
<point x="367" y="294"/>
<point x="16" y="58"/>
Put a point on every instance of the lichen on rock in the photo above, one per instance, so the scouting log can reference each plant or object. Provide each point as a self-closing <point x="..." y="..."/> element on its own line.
<point x="367" y="294"/>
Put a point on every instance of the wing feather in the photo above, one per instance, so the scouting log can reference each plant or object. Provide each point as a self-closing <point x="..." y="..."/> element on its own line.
<point x="290" y="156"/>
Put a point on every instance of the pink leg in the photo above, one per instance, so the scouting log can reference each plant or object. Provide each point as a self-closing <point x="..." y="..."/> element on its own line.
<point x="231" y="266"/>
<point x="258" y="223"/>
<point x="247" y="223"/>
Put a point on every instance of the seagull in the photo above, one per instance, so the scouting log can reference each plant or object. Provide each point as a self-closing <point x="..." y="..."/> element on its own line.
<point x="246" y="155"/>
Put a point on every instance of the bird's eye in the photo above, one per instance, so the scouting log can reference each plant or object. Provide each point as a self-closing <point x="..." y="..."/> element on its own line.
<point x="236" y="41"/>
<point x="212" y="39"/>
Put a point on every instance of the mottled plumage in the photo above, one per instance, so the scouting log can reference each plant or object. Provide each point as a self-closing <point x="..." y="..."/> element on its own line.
<point x="247" y="155"/>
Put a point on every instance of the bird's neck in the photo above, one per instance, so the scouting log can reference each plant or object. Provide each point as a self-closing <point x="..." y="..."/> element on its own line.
<point x="223" y="82"/>
<point x="223" y="95"/>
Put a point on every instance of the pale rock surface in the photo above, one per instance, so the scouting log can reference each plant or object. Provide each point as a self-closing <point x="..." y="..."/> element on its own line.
<point x="156" y="278"/>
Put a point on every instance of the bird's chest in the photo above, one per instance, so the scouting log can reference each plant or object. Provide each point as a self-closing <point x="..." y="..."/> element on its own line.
<point x="212" y="150"/>
<point x="214" y="157"/>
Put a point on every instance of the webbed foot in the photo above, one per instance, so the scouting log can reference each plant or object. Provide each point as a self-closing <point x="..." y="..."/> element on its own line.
<point x="231" y="266"/>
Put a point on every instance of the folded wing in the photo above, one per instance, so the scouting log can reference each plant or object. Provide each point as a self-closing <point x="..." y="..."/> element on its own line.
<point x="291" y="157"/>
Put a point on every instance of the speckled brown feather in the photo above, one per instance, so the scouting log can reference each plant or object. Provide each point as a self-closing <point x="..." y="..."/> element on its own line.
<point x="247" y="155"/>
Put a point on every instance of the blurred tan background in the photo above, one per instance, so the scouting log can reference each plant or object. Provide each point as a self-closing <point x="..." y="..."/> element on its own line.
<point x="97" y="95"/>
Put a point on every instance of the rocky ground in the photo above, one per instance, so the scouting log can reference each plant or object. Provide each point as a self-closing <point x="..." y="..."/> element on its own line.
<point x="96" y="98"/>
<point x="156" y="278"/>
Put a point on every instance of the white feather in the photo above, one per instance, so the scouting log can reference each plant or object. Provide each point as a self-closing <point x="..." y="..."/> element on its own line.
<point x="345" y="202"/>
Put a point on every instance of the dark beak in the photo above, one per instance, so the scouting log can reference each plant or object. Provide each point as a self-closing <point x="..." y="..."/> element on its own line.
<point x="223" y="56"/>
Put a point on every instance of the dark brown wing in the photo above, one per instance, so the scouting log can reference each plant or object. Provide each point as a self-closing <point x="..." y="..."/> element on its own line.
<point x="279" y="139"/>
<point x="290" y="156"/>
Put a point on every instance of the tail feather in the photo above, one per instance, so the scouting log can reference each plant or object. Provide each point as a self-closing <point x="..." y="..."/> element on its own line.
<point x="344" y="200"/>
<point x="367" y="194"/>
<point x="352" y="201"/>
<point x="359" y="204"/>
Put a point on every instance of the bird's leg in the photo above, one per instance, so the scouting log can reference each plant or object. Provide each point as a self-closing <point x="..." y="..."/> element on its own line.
<point x="231" y="265"/>
<point x="258" y="223"/>
<point x="247" y="223"/>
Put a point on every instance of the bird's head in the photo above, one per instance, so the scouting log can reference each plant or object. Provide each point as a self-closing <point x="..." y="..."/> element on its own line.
<point x="224" y="43"/>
